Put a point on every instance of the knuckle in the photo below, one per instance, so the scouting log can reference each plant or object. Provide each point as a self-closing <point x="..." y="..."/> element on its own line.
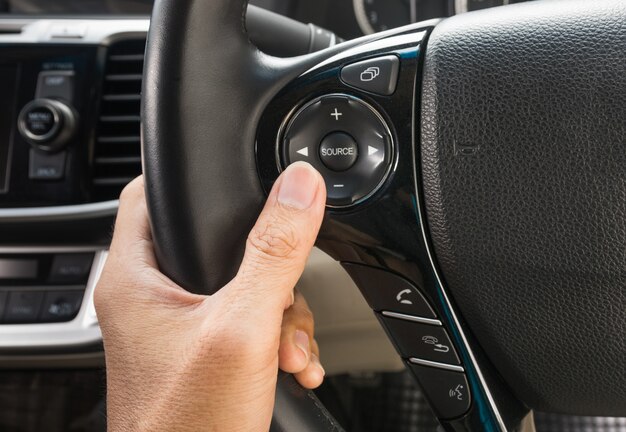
<point x="229" y="343"/>
<point x="133" y="191"/>
<point x="303" y="313"/>
<point x="276" y="237"/>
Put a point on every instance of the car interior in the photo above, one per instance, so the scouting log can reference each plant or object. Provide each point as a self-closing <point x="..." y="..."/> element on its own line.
<point x="470" y="273"/>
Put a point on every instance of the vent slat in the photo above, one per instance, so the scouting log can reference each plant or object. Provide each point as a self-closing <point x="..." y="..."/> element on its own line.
<point x="112" y="181"/>
<point x="124" y="77"/>
<point x="117" y="152"/>
<point x="126" y="57"/>
<point x="118" y="139"/>
<point x="121" y="97"/>
<point x="119" y="118"/>
<point x="118" y="160"/>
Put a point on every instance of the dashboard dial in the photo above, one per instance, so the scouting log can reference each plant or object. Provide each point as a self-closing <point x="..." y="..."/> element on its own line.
<point x="379" y="15"/>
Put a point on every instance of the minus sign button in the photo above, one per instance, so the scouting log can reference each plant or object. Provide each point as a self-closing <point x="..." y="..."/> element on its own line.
<point x="338" y="186"/>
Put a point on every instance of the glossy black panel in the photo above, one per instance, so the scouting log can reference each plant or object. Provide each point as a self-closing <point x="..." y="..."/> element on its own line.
<point x="385" y="231"/>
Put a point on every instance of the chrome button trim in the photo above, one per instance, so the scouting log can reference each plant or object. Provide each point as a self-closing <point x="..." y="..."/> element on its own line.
<point x="437" y="365"/>
<point x="416" y="319"/>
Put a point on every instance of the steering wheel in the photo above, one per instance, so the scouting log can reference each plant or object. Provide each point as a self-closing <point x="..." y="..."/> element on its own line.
<point x="476" y="177"/>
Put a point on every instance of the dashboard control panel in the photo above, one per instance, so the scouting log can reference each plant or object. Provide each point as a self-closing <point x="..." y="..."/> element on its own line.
<point x="47" y="138"/>
<point x="418" y="335"/>
<point x="42" y="288"/>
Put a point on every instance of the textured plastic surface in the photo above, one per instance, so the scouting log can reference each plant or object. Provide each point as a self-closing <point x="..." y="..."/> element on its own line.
<point x="524" y="174"/>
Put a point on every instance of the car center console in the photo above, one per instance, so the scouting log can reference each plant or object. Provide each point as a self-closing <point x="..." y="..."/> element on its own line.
<point x="69" y="142"/>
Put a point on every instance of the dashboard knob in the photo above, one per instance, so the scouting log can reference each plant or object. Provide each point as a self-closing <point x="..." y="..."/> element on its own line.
<point x="47" y="124"/>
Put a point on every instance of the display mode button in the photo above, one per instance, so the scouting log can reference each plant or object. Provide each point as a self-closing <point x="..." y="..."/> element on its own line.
<point x="339" y="151"/>
<point x="378" y="75"/>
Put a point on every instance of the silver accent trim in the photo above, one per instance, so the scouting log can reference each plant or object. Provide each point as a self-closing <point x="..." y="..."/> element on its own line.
<point x="81" y="331"/>
<point x="404" y="317"/>
<point x="59" y="213"/>
<point x="418" y="361"/>
<point x="94" y="31"/>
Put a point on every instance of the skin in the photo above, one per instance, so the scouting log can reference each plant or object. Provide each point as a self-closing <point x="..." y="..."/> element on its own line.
<point x="178" y="361"/>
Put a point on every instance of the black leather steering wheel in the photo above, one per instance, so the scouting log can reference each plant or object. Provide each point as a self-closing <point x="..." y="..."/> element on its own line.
<point x="476" y="174"/>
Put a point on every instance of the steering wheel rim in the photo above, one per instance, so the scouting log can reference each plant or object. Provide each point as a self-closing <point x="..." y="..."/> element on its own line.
<point x="200" y="65"/>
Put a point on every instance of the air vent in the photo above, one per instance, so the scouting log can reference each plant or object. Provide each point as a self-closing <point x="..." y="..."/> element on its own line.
<point x="117" y="154"/>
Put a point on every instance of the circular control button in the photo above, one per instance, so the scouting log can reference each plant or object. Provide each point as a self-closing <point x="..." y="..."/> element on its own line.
<point x="40" y="121"/>
<point x="346" y="140"/>
<point x="339" y="151"/>
<point x="47" y="124"/>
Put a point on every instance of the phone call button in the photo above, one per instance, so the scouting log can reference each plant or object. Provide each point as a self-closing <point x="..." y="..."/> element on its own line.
<point x="385" y="291"/>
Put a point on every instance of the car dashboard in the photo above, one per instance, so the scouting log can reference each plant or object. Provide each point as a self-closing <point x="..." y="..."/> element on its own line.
<point x="70" y="80"/>
<point x="70" y="76"/>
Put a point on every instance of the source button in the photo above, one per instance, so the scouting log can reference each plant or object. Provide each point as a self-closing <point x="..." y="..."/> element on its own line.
<point x="339" y="151"/>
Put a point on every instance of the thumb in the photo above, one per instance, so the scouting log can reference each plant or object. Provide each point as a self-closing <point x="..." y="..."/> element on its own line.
<point x="280" y="242"/>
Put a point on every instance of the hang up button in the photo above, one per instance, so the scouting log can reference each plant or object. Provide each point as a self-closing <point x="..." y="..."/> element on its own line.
<point x="378" y="75"/>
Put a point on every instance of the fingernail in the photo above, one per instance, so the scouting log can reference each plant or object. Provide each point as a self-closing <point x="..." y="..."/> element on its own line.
<point x="316" y="361"/>
<point x="301" y="340"/>
<point x="298" y="186"/>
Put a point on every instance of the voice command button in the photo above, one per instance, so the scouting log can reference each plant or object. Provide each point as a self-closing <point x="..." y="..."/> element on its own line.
<point x="447" y="391"/>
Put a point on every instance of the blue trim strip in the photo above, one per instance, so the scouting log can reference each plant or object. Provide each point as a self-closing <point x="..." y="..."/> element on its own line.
<point x="479" y="397"/>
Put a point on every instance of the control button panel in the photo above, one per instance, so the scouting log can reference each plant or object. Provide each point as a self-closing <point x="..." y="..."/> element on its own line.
<point x="418" y="335"/>
<point x="56" y="84"/>
<point x="59" y="306"/>
<point x="378" y="75"/>
<point x="346" y="140"/>
<point x="384" y="291"/>
<point x="424" y="341"/>
<point x="23" y="306"/>
<point x="71" y="268"/>
<point x="448" y="391"/>
<point x="40" y="288"/>
<point x="45" y="166"/>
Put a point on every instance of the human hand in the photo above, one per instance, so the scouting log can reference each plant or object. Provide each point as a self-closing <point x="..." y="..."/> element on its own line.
<point x="178" y="361"/>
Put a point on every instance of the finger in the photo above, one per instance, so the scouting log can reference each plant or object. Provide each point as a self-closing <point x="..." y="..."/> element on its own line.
<point x="280" y="242"/>
<point x="297" y="330"/>
<point x="131" y="262"/>
<point x="313" y="375"/>
<point x="132" y="238"/>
